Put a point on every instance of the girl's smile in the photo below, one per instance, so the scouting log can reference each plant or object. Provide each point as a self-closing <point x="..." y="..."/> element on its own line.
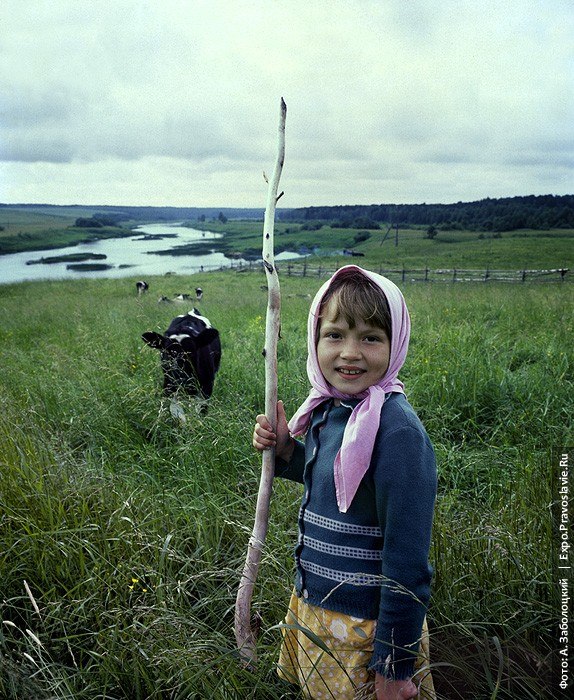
<point x="351" y="359"/>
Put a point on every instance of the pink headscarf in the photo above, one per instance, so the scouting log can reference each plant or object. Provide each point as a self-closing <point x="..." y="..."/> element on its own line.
<point x="353" y="459"/>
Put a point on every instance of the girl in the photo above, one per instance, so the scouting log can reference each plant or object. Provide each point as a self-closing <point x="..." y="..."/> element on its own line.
<point x="357" y="615"/>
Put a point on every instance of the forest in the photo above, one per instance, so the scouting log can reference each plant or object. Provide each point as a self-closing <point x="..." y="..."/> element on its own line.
<point x="505" y="214"/>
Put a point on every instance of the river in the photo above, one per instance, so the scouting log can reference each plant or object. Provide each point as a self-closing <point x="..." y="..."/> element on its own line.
<point x="128" y="257"/>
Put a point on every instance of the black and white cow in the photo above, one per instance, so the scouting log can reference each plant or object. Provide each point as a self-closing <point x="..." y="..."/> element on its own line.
<point x="141" y="287"/>
<point x="180" y="297"/>
<point x="190" y="354"/>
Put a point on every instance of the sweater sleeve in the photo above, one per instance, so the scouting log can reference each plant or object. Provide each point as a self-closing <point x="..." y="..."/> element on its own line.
<point x="294" y="468"/>
<point x="405" y="483"/>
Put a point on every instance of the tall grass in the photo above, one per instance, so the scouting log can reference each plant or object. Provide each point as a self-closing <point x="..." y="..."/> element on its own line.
<point x="123" y="532"/>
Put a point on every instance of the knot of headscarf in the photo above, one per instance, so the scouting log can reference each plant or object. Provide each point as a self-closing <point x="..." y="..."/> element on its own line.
<point x="354" y="456"/>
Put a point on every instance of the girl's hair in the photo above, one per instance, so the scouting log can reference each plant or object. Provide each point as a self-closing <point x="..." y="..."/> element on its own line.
<point x="356" y="297"/>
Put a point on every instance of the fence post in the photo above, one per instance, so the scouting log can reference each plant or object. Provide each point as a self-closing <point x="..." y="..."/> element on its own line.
<point x="426" y="274"/>
<point x="404" y="272"/>
<point x="454" y="275"/>
<point x="486" y="274"/>
<point x="305" y="269"/>
<point x="524" y="275"/>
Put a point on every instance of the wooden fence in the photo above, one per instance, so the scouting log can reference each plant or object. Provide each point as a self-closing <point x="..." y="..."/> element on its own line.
<point x="404" y="274"/>
<point x="445" y="275"/>
<point x="305" y="268"/>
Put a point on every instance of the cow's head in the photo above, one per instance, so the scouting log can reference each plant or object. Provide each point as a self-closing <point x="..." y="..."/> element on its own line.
<point x="190" y="354"/>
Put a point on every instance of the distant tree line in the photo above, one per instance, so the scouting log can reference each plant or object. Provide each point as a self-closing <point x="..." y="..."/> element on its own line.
<point x="114" y="218"/>
<point x="506" y="214"/>
<point x="100" y="220"/>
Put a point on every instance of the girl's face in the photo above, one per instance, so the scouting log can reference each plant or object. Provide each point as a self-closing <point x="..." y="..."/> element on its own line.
<point x="351" y="359"/>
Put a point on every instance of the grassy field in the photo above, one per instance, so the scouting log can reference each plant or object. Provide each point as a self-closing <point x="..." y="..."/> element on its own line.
<point x="521" y="249"/>
<point x="123" y="533"/>
<point x="23" y="230"/>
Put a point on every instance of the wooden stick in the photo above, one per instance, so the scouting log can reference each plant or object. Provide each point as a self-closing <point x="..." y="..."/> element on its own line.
<point x="244" y="633"/>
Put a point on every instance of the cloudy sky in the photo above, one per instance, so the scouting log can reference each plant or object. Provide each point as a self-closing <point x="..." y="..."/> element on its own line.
<point x="176" y="102"/>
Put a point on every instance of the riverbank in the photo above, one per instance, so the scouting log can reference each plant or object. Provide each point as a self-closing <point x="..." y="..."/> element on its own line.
<point x="523" y="249"/>
<point x="45" y="226"/>
<point x="241" y="239"/>
<point x="145" y="253"/>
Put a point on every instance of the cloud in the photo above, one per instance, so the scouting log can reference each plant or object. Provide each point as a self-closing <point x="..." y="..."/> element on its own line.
<point x="385" y="100"/>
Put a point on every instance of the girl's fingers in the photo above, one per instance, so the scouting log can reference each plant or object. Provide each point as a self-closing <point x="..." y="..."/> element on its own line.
<point x="263" y="436"/>
<point x="262" y="422"/>
<point x="260" y="445"/>
<point x="263" y="428"/>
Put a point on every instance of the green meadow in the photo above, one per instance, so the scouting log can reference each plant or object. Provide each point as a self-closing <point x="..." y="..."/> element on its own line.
<point x="29" y="231"/>
<point x="515" y="250"/>
<point x="123" y="532"/>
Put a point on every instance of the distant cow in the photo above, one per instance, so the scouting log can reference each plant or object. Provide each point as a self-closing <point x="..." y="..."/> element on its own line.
<point x="141" y="287"/>
<point x="181" y="297"/>
<point x="176" y="299"/>
<point x="190" y="354"/>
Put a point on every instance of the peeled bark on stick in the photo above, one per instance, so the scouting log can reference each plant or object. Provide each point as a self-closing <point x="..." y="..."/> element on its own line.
<point x="244" y="633"/>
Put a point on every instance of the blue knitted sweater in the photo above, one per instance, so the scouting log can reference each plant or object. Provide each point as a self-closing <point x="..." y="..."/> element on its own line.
<point x="372" y="561"/>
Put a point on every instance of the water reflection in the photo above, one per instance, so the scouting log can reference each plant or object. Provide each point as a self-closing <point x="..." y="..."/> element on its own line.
<point x="127" y="257"/>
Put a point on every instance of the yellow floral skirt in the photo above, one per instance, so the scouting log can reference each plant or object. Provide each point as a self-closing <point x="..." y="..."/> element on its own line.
<point x="338" y="671"/>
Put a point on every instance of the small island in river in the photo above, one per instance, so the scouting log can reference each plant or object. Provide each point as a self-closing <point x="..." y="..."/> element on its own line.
<point x="71" y="258"/>
<point x="88" y="267"/>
